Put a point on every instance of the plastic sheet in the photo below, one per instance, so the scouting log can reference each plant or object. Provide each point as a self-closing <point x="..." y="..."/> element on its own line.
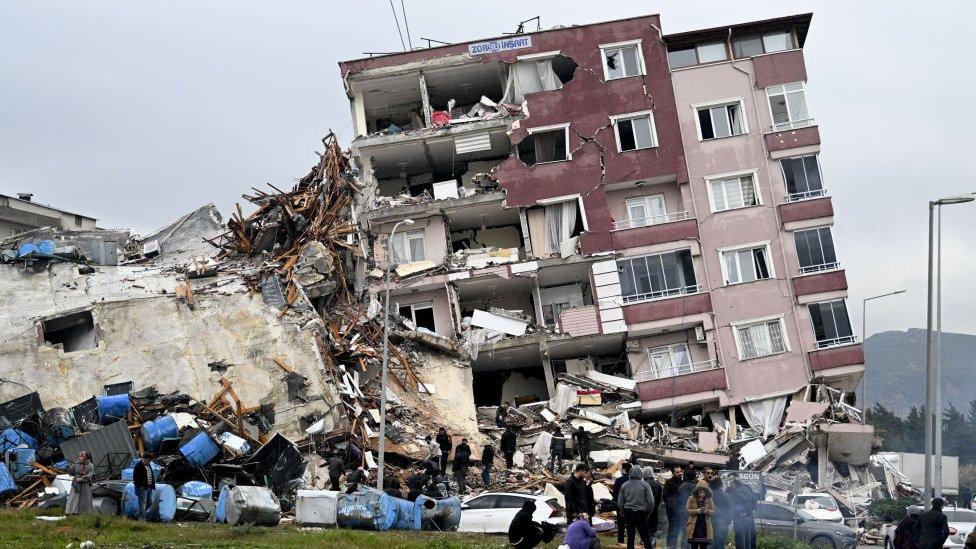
<point x="7" y="484"/>
<point x="196" y="489"/>
<point x="252" y="505"/>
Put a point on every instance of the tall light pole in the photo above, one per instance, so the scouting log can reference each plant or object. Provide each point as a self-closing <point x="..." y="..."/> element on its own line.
<point x="386" y="356"/>
<point x="864" y="342"/>
<point x="933" y="376"/>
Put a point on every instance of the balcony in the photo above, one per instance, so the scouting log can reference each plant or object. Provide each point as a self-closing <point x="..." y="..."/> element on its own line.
<point x="814" y="208"/>
<point x="806" y="195"/>
<point x="701" y="381"/>
<point x="672" y="227"/>
<point x="836" y="357"/>
<point x="671" y="304"/>
<point x="675" y="371"/>
<point x="820" y="282"/>
<point x="580" y="321"/>
<point x="800" y="133"/>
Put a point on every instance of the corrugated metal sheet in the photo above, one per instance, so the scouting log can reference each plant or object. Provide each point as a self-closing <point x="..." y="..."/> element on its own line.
<point x="472" y="143"/>
<point x="111" y="449"/>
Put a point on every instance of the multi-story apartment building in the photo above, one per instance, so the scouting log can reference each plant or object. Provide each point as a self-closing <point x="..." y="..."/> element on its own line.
<point x="20" y="213"/>
<point x="656" y="201"/>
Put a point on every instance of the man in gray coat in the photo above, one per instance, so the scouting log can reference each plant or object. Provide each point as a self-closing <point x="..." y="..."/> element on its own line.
<point x="635" y="500"/>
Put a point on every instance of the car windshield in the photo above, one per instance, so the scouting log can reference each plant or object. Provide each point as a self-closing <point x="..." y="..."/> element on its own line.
<point x="960" y="516"/>
<point x="813" y="503"/>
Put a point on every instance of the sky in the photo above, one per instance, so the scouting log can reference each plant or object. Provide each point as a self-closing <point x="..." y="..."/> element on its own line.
<point x="138" y="112"/>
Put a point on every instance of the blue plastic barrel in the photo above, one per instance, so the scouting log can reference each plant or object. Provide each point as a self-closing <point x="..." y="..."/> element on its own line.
<point x="153" y="432"/>
<point x="162" y="503"/>
<point x="113" y="407"/>
<point x="409" y="515"/>
<point x="7" y="484"/>
<point x="196" y="490"/>
<point x="439" y="514"/>
<point x="46" y="247"/>
<point x="12" y="438"/>
<point x="26" y="249"/>
<point x="220" y="512"/>
<point x="20" y="461"/>
<point x="367" y="509"/>
<point x="200" y="450"/>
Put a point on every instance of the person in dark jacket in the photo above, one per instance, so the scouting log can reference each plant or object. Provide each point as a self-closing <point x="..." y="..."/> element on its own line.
<point x="523" y="532"/>
<point x="635" y="500"/>
<point x="508" y="446"/>
<point x="354" y="479"/>
<point x="688" y="481"/>
<point x="933" y="526"/>
<point x="617" y="483"/>
<point x="337" y="466"/>
<point x="658" y="491"/>
<point x="487" y="459"/>
<point x="906" y="534"/>
<point x="557" y="447"/>
<point x="581" y="439"/>
<point x="392" y="487"/>
<point x="354" y="455"/>
<point x="673" y="507"/>
<point x="145" y="482"/>
<point x="462" y="460"/>
<point x="723" y="509"/>
<point x="743" y="501"/>
<point x="575" y="492"/>
<point x="445" y="442"/>
<point x="501" y="416"/>
<point x="416" y="484"/>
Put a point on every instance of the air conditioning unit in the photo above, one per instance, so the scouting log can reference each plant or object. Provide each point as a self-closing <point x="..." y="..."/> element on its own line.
<point x="700" y="333"/>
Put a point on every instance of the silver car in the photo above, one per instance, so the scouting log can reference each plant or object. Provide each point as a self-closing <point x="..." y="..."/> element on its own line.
<point x="777" y="519"/>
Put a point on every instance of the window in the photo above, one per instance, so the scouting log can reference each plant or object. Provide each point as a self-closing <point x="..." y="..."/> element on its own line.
<point x="702" y="53"/>
<point x="788" y="106"/>
<point x="74" y="332"/>
<point x="408" y="247"/>
<point x="422" y="314"/>
<point x="831" y="324"/>
<point x="761" y="339"/>
<point x="563" y="222"/>
<point x="774" y="512"/>
<point x="749" y="46"/>
<point x="802" y="176"/>
<point x="815" y="250"/>
<point x="657" y="276"/>
<point x="622" y="60"/>
<point x="678" y="59"/>
<point x="484" y="502"/>
<point x="721" y="120"/>
<point x="635" y="132"/>
<point x="511" y="501"/>
<point x="77" y="221"/>
<point x="669" y="361"/>
<point x="545" y="145"/>
<point x="746" y="264"/>
<point x="646" y="210"/>
<point x="734" y="192"/>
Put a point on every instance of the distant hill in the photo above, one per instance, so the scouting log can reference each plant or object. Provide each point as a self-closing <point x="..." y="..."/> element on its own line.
<point x="896" y="369"/>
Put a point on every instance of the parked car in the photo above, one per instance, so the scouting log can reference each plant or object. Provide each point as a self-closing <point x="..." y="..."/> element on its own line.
<point x="961" y="523"/>
<point x="492" y="512"/>
<point x="819" y="505"/>
<point x="777" y="519"/>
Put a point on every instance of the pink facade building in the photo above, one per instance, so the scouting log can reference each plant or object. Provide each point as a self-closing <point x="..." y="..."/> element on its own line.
<point x="650" y="206"/>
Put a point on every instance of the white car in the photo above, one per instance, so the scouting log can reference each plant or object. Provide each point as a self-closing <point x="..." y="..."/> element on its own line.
<point x="492" y="512"/>
<point x="961" y="523"/>
<point x="819" y="506"/>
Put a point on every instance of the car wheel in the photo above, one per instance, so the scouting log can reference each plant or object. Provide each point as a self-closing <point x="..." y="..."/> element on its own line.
<point x="822" y="542"/>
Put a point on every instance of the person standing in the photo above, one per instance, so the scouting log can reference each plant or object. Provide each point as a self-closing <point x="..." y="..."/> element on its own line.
<point x="636" y="499"/>
<point x="501" y="416"/>
<point x="625" y="468"/>
<point x="906" y="534"/>
<point x="508" y="446"/>
<point x="574" y="491"/>
<point x="557" y="447"/>
<point x="581" y="439"/>
<point x="80" y="499"/>
<point x="933" y="526"/>
<point x="743" y="501"/>
<point x="723" y="509"/>
<point x="672" y="506"/>
<point x="445" y="443"/>
<point x="462" y="460"/>
<point x="688" y="481"/>
<point x="487" y="458"/>
<point x="701" y="508"/>
<point x="337" y="466"/>
<point x="433" y="451"/>
<point x="145" y="482"/>
<point x="653" y="516"/>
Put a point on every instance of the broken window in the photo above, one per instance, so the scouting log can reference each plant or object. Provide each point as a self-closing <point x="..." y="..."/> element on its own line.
<point x="557" y="299"/>
<point x="563" y="224"/>
<point x="635" y="132"/>
<point x="815" y="250"/>
<point x="733" y="193"/>
<point x="408" y="247"/>
<point x="746" y="264"/>
<point x="749" y="46"/>
<point x="802" y="176"/>
<point x="646" y="210"/>
<point x="656" y="276"/>
<point x="114" y="389"/>
<point x="621" y="61"/>
<point x="831" y="323"/>
<point x="788" y="106"/>
<point x="761" y="339"/>
<point x="422" y="314"/>
<point x="549" y="145"/>
<point x="74" y="332"/>
<point x="721" y="120"/>
<point x="531" y="76"/>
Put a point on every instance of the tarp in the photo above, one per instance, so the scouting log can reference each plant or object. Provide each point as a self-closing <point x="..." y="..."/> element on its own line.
<point x="252" y="505"/>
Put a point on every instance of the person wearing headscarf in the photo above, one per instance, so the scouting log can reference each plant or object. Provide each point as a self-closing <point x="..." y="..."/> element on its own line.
<point x="80" y="499"/>
<point x="523" y="532"/>
<point x="700" y="509"/>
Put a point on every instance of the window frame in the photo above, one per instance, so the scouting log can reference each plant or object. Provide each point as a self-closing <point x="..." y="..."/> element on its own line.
<point x="670" y="349"/>
<point x="808" y="195"/>
<point x="550" y="128"/>
<point x="646" y="201"/>
<point x="823" y="267"/>
<point x="614" y="119"/>
<point x="710" y="179"/>
<point x="721" y="103"/>
<point x="765" y="245"/>
<point x="414" y="307"/>
<point x="792" y="124"/>
<point x="837" y="341"/>
<point x="405" y="237"/>
<point x="641" y="66"/>
<point x="736" y="326"/>
<point x="762" y="41"/>
<point x="666" y="293"/>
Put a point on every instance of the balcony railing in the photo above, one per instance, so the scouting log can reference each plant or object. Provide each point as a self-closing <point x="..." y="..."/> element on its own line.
<point x="833" y="266"/>
<point x="676" y="370"/>
<point x="648" y="221"/>
<point x="660" y="294"/>
<point x="817" y="193"/>
<point x="793" y="124"/>
<point x="836" y="342"/>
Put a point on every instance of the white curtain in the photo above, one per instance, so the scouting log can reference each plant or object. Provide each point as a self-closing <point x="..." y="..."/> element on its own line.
<point x="765" y="415"/>
<point x="529" y="77"/>
<point x="564" y="398"/>
<point x="560" y="222"/>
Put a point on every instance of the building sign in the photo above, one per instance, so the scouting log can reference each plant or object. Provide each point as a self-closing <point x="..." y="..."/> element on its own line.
<point x="495" y="46"/>
<point x="752" y="479"/>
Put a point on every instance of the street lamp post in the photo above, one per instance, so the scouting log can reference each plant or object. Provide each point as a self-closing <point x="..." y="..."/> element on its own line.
<point x="864" y="342"/>
<point x="933" y="378"/>
<point x="386" y="357"/>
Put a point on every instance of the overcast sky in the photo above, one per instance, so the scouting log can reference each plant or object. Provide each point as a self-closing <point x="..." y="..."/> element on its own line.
<point x="137" y="112"/>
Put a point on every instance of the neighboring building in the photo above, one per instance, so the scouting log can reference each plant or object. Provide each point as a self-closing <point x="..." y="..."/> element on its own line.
<point x="659" y="207"/>
<point x="20" y="213"/>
